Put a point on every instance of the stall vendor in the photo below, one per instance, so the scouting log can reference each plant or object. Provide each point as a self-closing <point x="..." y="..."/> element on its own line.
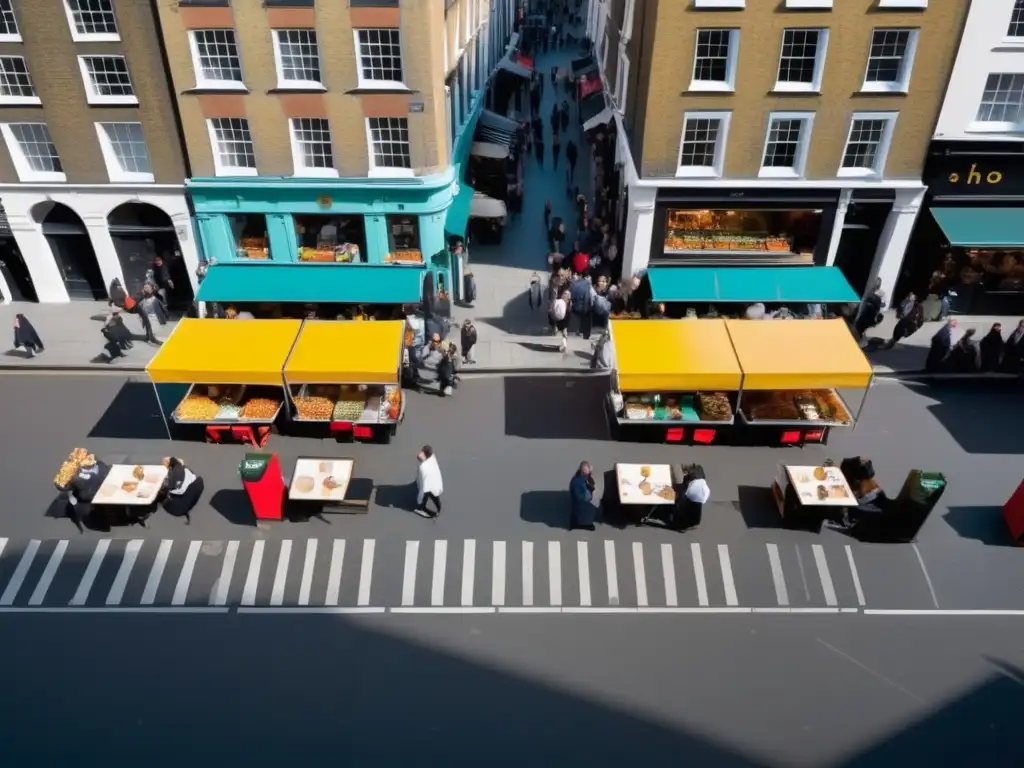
<point x="86" y="484"/>
<point x="183" y="487"/>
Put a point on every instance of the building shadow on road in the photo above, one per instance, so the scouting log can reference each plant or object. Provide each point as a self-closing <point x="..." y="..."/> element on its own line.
<point x="981" y="415"/>
<point x="133" y="414"/>
<point x="984" y="524"/>
<point x="556" y="407"/>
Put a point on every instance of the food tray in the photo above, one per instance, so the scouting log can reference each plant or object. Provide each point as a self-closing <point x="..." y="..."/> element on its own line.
<point x="309" y="476"/>
<point x="630" y="479"/>
<point x="111" y="491"/>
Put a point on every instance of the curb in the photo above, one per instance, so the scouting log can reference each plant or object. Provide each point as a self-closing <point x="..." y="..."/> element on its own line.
<point x="133" y="369"/>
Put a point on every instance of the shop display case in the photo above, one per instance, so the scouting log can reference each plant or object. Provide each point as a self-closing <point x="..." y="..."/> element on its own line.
<point x="749" y="231"/>
<point x="350" y="403"/>
<point x="713" y="408"/>
<point x="253" y="248"/>
<point x="228" y="404"/>
<point x="821" y="407"/>
<point x="345" y="253"/>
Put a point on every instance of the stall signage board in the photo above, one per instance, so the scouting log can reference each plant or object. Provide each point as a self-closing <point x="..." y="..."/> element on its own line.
<point x="254" y="466"/>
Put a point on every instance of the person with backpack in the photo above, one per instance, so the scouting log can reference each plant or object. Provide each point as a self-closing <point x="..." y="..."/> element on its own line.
<point x="579" y="291"/>
<point x="560" y="319"/>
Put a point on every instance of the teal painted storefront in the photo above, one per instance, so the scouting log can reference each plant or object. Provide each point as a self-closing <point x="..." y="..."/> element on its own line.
<point x="218" y="201"/>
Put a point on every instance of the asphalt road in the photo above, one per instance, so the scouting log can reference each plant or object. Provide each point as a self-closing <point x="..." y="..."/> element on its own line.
<point x="850" y="692"/>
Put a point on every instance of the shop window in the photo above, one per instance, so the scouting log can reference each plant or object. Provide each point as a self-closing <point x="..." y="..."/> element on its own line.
<point x="250" y="234"/>
<point x="403" y="240"/>
<point x="742" y="231"/>
<point x="979" y="277"/>
<point x="339" y="239"/>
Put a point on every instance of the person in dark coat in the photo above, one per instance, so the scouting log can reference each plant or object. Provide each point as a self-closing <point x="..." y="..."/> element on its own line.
<point x="25" y="336"/>
<point x="85" y="486"/>
<point x="118" y="337"/>
<point x="571" y="154"/>
<point x="556" y="118"/>
<point x="582" y="512"/>
<point x="907" y="325"/>
<point x="992" y="349"/>
<point x="182" y="489"/>
<point x="965" y="357"/>
<point x="547" y="215"/>
<point x="1013" y="351"/>
<point x="942" y="343"/>
<point x="468" y="339"/>
<point x="556" y="148"/>
<point x="565" y="115"/>
<point x="869" y="314"/>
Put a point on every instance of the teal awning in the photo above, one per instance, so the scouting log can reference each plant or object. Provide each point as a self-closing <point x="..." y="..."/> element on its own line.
<point x="313" y="283"/>
<point x="457" y="218"/>
<point x="982" y="227"/>
<point x="824" y="285"/>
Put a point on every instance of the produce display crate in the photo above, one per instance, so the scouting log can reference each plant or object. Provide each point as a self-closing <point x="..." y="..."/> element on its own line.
<point x="225" y="420"/>
<point x="798" y="420"/>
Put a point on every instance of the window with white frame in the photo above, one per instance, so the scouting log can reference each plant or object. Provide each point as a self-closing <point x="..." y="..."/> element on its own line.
<point x="786" y="145"/>
<point x="389" y="146"/>
<point x="802" y="60"/>
<point x="9" y="32"/>
<point x="702" y="146"/>
<point x="1001" y="102"/>
<point x="215" y="58"/>
<point x="867" y="144"/>
<point x="312" y="148"/>
<point x="1016" y="28"/>
<point x="890" y="60"/>
<point x="380" y="58"/>
<point x="714" y="60"/>
<point x="297" y="57"/>
<point x="622" y="80"/>
<point x="124" y="151"/>
<point x="33" y="152"/>
<point x="15" y="82"/>
<point x="107" y="80"/>
<point x="92" y="20"/>
<point x="233" y="151"/>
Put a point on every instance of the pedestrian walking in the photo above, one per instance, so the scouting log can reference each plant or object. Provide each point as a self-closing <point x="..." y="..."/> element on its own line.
<point x="554" y="76"/>
<point x="25" y="336"/>
<point x="565" y="116"/>
<point x="560" y="314"/>
<point x="429" y="484"/>
<point x="538" y="149"/>
<point x="571" y="153"/>
<point x="556" y="118"/>
<point x="582" y="512"/>
<point x="468" y="339"/>
<point x="547" y="215"/>
<point x="556" y="148"/>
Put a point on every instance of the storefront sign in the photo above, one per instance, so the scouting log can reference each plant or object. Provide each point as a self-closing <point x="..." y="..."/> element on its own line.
<point x="325" y="201"/>
<point x="974" y="172"/>
<point x="415" y="107"/>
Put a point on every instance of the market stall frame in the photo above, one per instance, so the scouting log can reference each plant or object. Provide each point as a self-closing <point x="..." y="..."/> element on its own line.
<point x="707" y="339"/>
<point x="173" y="371"/>
<point x="311" y="374"/>
<point x="753" y="339"/>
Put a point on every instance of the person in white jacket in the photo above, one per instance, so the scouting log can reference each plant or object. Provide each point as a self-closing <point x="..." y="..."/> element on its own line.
<point x="429" y="485"/>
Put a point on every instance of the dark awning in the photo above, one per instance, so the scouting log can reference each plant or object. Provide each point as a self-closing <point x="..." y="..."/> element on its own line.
<point x="579" y="65"/>
<point x="592" y="106"/>
<point x="810" y="285"/>
<point x="492" y="128"/>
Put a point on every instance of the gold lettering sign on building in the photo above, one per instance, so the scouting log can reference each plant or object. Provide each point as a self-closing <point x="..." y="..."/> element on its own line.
<point x="325" y="201"/>
<point x="974" y="176"/>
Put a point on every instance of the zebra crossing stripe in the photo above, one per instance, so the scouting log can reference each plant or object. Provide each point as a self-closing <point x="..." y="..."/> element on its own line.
<point x="412" y="554"/>
<point x="220" y="594"/>
<point x="498" y="574"/>
<point x="613" y="576"/>
<point x="334" y="574"/>
<point x="85" y="585"/>
<point x="639" y="574"/>
<point x="131" y="554"/>
<point x="366" y="573"/>
<point x="668" y="571"/>
<point x="555" y="572"/>
<point x="468" y="570"/>
<point x="527" y="573"/>
<point x="252" y="578"/>
<point x="583" y="559"/>
<point x="307" y="572"/>
<point x="185" y="577"/>
<point x="20" y="572"/>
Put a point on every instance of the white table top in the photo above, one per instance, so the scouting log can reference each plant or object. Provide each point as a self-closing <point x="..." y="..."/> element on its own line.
<point x="317" y="470"/>
<point x="629" y="477"/>
<point x="111" y="491"/>
<point x="806" y="486"/>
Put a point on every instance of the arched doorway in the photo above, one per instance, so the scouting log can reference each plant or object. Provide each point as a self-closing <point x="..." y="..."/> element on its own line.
<point x="12" y="265"/>
<point x="72" y="250"/>
<point x="141" y="233"/>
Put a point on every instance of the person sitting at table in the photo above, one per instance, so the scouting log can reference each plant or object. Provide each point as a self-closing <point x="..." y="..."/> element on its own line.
<point x="695" y="495"/>
<point x="872" y="502"/>
<point x="85" y="486"/>
<point x="183" y="489"/>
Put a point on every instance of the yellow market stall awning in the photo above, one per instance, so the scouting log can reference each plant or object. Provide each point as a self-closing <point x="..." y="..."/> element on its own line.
<point x="674" y="356"/>
<point x="209" y="351"/>
<point x="798" y="354"/>
<point x="346" y="352"/>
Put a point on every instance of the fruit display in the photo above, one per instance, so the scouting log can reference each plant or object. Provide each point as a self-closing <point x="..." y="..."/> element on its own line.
<point x="714" y="406"/>
<point x="722" y="230"/>
<point x="197" y="407"/>
<point x="391" y="405"/>
<point x="69" y="469"/>
<point x="348" y="410"/>
<point x="797" y="405"/>
<point x="260" y="409"/>
<point x="229" y="412"/>
<point x="314" y="408"/>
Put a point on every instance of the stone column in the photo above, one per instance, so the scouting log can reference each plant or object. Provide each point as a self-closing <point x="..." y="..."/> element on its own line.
<point x="639" y="231"/>
<point x="892" y="245"/>
<point x="837" y="227"/>
<point x="35" y="250"/>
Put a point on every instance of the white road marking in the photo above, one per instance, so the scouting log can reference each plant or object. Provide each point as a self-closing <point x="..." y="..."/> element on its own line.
<point x="18" y="577"/>
<point x="698" y="574"/>
<point x="3" y="543"/>
<point x="227" y="569"/>
<point x="85" y="585"/>
<point x="156" y="572"/>
<point x="781" y="594"/>
<point x="823" y="574"/>
<point x="555" y="572"/>
<point x="306" y="585"/>
<point x="583" y="562"/>
<point x="799" y="610"/>
<point x="437" y="582"/>
<point x="612" y="571"/>
<point x="856" y="576"/>
<point x="940" y="612"/>
<point x="727" y="580"/>
<point x="640" y="574"/>
<point x="318" y="609"/>
<point x="116" y="593"/>
<point x="412" y="556"/>
<point x="442" y="609"/>
<point x="39" y="593"/>
<point x="927" y="578"/>
<point x="668" y="570"/>
<point x="498" y="574"/>
<point x="527" y="573"/>
<point x="468" y="571"/>
<point x="185" y="577"/>
<point x="281" y="574"/>
<point x="366" y="572"/>
<point x="334" y="574"/>
<point x="79" y="609"/>
<point x="252" y="579"/>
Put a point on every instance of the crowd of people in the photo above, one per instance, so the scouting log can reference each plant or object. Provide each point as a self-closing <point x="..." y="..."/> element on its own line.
<point x="969" y="354"/>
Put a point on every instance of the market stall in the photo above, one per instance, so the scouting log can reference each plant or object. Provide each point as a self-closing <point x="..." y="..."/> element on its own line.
<point x="797" y="375"/>
<point x="676" y="381"/>
<point x="345" y="378"/>
<point x="222" y="378"/>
